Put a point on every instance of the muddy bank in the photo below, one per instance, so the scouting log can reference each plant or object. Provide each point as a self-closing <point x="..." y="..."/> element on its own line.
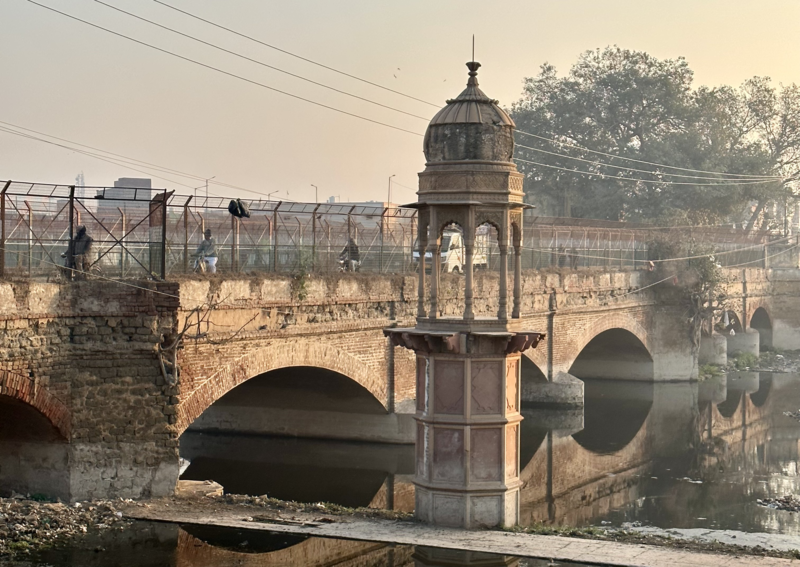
<point x="27" y="525"/>
<point x="33" y="527"/>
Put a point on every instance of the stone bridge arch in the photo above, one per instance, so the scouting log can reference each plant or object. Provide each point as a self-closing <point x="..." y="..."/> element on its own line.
<point x="309" y="353"/>
<point x="24" y="389"/>
<point x="602" y="324"/>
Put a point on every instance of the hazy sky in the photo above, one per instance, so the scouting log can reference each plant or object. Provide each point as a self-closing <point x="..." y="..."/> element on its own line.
<point x="66" y="79"/>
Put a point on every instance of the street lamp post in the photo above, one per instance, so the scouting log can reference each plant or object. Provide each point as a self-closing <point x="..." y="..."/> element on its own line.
<point x="271" y="194"/>
<point x="316" y="193"/>
<point x="389" y="200"/>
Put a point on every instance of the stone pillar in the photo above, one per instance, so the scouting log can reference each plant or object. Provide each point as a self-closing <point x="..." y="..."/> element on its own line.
<point x="713" y="350"/>
<point x="421" y="246"/>
<point x="469" y="247"/>
<point x="468" y="424"/>
<point x="743" y="342"/>
<point x="436" y="262"/>
<point x="515" y="313"/>
<point x="502" y="312"/>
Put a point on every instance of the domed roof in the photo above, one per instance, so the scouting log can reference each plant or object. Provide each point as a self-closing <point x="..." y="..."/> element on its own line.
<point x="472" y="106"/>
<point x="472" y="127"/>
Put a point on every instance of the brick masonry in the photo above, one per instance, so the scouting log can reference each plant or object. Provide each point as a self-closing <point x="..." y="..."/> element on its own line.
<point x="85" y="354"/>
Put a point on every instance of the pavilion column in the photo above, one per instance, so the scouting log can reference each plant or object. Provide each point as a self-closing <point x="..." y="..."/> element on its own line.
<point x="422" y="245"/>
<point x="502" y="312"/>
<point x="469" y="248"/>
<point x="517" y="279"/>
<point x="436" y="263"/>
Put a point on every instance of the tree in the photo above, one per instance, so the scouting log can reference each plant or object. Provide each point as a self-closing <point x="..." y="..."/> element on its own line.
<point x="631" y="105"/>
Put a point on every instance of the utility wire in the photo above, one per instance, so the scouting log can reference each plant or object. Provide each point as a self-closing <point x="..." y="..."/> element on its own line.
<point x="218" y="70"/>
<point x="604" y="176"/>
<point x="295" y="55"/>
<point x="709" y="255"/>
<point x="556" y="142"/>
<point x="635" y="179"/>
<point x="90" y="154"/>
<point x="626" y="168"/>
<point x="256" y="61"/>
<point x="124" y="161"/>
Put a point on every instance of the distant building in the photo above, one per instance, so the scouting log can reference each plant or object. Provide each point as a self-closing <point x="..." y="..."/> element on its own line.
<point x="130" y="194"/>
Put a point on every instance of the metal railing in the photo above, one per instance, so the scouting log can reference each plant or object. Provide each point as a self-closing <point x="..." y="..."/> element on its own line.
<point x="151" y="233"/>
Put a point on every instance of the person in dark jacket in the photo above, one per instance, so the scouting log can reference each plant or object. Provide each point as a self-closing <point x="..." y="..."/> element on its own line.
<point x="351" y="255"/>
<point x="78" y="253"/>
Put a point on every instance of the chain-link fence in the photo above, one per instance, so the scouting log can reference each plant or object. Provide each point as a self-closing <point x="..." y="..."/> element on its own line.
<point x="149" y="233"/>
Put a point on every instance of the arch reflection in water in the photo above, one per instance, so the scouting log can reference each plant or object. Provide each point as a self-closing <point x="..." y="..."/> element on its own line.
<point x="701" y="457"/>
<point x="305" y="470"/>
<point x="614" y="412"/>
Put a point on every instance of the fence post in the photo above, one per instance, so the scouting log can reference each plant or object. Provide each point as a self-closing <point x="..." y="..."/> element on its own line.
<point x="274" y="228"/>
<point x="383" y="228"/>
<point x="234" y="244"/>
<point x="314" y="239"/>
<point x="123" y="255"/>
<point x="186" y="235"/>
<point x="30" y="237"/>
<point x="71" y="228"/>
<point x="3" y="228"/>
<point x="164" y="236"/>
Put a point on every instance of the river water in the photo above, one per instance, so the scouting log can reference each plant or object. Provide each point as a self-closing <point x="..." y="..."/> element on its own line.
<point x="671" y="455"/>
<point x="674" y="455"/>
<point x="147" y="544"/>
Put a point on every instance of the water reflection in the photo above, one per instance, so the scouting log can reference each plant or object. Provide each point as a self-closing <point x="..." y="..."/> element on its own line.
<point x="700" y="456"/>
<point x="305" y="470"/>
<point x="148" y="544"/>
<point x="669" y="455"/>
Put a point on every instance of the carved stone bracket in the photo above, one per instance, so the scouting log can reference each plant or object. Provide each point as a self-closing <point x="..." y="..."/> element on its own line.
<point x="424" y="342"/>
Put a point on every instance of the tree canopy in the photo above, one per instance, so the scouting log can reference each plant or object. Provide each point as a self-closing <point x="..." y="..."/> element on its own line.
<point x="599" y="132"/>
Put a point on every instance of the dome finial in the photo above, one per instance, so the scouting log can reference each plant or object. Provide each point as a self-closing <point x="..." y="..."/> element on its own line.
<point x="473" y="73"/>
<point x="473" y="67"/>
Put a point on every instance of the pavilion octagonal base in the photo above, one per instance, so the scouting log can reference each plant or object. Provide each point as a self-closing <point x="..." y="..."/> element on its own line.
<point x="468" y="424"/>
<point x="462" y="509"/>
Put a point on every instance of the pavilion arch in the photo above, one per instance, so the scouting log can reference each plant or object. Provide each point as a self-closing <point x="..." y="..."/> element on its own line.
<point x="762" y="322"/>
<point x="23" y="389"/>
<point x="305" y="353"/>
<point x="615" y="347"/>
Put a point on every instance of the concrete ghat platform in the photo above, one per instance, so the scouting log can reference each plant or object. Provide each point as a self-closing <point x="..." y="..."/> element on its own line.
<point x="553" y="548"/>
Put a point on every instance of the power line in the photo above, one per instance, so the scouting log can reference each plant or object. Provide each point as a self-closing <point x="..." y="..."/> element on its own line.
<point x="295" y="55"/>
<point x="604" y="176"/>
<point x="636" y="179"/>
<point x="556" y="142"/>
<point x="123" y="161"/>
<point x="256" y="61"/>
<point x="625" y="168"/>
<point x="90" y="154"/>
<point x="218" y="70"/>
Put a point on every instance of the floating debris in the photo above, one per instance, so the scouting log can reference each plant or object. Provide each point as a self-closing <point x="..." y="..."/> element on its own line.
<point x="790" y="503"/>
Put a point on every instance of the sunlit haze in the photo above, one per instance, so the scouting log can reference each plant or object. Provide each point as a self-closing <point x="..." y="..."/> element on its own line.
<point x="66" y="79"/>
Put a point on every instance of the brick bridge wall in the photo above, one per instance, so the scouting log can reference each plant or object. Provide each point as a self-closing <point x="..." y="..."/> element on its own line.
<point x="84" y="354"/>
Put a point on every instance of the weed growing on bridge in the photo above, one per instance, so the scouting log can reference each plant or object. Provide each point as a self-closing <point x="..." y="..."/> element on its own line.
<point x="696" y="277"/>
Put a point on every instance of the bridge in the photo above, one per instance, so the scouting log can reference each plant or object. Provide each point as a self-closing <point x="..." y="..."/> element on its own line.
<point x="91" y="404"/>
